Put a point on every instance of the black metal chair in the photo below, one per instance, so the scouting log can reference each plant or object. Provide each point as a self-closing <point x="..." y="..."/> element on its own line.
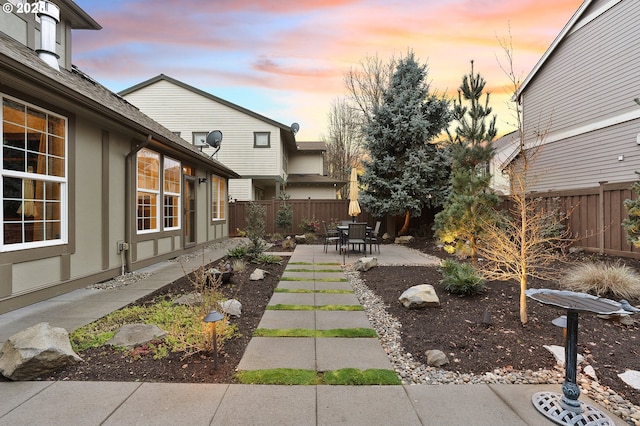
<point x="357" y="235"/>
<point x="330" y="236"/>
<point x="374" y="238"/>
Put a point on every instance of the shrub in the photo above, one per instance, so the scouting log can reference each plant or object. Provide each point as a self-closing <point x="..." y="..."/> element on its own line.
<point x="461" y="278"/>
<point x="310" y="225"/>
<point x="239" y="265"/>
<point x="310" y="237"/>
<point x="274" y="238"/>
<point x="238" y="252"/>
<point x="601" y="279"/>
<point x="284" y="215"/>
<point x="256" y="228"/>
<point x="289" y="243"/>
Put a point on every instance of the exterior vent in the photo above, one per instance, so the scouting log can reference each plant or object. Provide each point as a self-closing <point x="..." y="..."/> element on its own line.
<point x="49" y="17"/>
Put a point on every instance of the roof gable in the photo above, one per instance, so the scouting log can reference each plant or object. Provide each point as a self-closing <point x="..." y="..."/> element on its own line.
<point x="579" y="19"/>
<point x="286" y="131"/>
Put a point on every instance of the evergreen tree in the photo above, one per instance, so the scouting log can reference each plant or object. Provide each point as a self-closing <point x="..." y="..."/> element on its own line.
<point x="405" y="172"/>
<point x="471" y="201"/>
<point x="632" y="223"/>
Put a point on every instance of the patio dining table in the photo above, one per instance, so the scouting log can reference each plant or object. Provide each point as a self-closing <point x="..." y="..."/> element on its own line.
<point x="343" y="233"/>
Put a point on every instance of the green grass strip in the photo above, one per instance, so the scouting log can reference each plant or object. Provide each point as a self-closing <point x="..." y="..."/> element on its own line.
<point x="314" y="270"/>
<point x="306" y="332"/>
<point x="304" y="290"/>
<point x="325" y="280"/>
<point x="353" y="376"/>
<point x="318" y="263"/>
<point x="282" y="307"/>
<point x="345" y="376"/>
<point x="279" y="376"/>
<point x="300" y="263"/>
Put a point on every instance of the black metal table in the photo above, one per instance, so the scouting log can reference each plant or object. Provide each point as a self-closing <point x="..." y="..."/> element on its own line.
<point x="566" y="409"/>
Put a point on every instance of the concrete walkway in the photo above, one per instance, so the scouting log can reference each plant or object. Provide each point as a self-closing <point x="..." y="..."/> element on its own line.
<point x="130" y="403"/>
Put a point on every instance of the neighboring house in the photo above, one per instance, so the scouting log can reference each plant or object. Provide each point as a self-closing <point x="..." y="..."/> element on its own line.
<point x="90" y="186"/>
<point x="578" y="101"/>
<point x="263" y="151"/>
<point x="505" y="149"/>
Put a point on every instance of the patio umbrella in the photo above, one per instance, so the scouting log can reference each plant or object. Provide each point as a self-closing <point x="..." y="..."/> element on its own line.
<point x="354" y="207"/>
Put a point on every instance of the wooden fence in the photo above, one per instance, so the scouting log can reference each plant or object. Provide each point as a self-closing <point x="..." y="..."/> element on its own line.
<point x="323" y="210"/>
<point x="595" y="221"/>
<point x="596" y="217"/>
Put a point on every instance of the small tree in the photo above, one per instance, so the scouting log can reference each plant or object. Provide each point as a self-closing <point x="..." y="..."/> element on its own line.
<point x="406" y="171"/>
<point x="471" y="200"/>
<point x="632" y="223"/>
<point x="284" y="215"/>
<point x="256" y="215"/>
<point x="527" y="239"/>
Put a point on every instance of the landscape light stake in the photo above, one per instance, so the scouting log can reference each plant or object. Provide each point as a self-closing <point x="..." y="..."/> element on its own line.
<point x="213" y="317"/>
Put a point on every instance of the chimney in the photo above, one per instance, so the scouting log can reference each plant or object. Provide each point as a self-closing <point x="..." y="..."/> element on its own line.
<point x="49" y="17"/>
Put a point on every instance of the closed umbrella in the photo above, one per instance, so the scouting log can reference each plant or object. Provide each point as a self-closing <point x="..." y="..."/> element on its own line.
<point x="354" y="207"/>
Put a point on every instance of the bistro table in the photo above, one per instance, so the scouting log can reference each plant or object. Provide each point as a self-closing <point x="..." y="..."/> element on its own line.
<point x="343" y="233"/>
<point x="566" y="409"/>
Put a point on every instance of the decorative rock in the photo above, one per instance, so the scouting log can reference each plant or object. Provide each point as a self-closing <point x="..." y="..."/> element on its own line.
<point x="257" y="275"/>
<point x="190" y="299"/>
<point x="419" y="296"/>
<point x="589" y="371"/>
<point x="232" y="307"/>
<point x="406" y="239"/>
<point x="386" y="237"/>
<point x="130" y="335"/>
<point x="300" y="238"/>
<point x="626" y="320"/>
<point x="365" y="263"/>
<point x="35" y="351"/>
<point x="631" y="377"/>
<point x="215" y="275"/>
<point x="436" y="358"/>
<point x="558" y="353"/>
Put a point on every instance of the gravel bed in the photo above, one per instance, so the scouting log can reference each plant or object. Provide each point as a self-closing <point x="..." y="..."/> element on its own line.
<point x="413" y="372"/>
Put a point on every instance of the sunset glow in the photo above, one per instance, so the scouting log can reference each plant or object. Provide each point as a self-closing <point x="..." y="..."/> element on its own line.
<point x="287" y="59"/>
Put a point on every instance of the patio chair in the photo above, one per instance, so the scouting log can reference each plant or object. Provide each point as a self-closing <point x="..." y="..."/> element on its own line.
<point x="357" y="235"/>
<point x="374" y="238"/>
<point x="330" y="236"/>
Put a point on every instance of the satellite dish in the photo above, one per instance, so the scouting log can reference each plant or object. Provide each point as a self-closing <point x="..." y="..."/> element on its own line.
<point x="214" y="139"/>
<point x="295" y="127"/>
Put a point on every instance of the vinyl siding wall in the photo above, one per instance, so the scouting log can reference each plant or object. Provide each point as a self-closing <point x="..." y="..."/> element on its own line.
<point x="582" y="99"/>
<point x="306" y="164"/>
<point x="181" y="110"/>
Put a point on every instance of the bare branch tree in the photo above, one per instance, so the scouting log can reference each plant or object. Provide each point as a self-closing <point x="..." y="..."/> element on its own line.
<point x="344" y="143"/>
<point x="530" y="237"/>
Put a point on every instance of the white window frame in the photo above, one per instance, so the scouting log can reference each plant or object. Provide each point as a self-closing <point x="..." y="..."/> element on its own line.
<point x="218" y="198"/>
<point x="157" y="193"/>
<point x="177" y="195"/>
<point x="63" y="181"/>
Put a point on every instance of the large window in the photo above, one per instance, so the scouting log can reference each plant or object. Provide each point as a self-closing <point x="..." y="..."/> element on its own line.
<point x="218" y="198"/>
<point x="148" y="190"/>
<point x="172" y="179"/>
<point x="155" y="184"/>
<point x="34" y="176"/>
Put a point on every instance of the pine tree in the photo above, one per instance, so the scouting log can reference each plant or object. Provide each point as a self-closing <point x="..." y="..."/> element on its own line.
<point x="406" y="172"/>
<point x="471" y="201"/>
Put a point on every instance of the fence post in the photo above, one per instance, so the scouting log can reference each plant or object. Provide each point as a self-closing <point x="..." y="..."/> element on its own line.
<point x="601" y="217"/>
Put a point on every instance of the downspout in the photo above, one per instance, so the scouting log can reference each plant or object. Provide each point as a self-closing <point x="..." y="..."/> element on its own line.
<point x="128" y="194"/>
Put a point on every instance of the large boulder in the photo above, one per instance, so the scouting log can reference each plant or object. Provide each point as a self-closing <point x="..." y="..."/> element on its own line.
<point x="406" y="239"/>
<point x="420" y="296"/>
<point x="131" y="335"/>
<point x="35" y="351"/>
<point x="365" y="263"/>
<point x="232" y="307"/>
<point x="257" y="275"/>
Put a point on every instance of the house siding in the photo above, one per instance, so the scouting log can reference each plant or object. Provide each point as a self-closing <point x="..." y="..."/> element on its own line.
<point x="192" y="112"/>
<point x="306" y="163"/>
<point x="581" y="101"/>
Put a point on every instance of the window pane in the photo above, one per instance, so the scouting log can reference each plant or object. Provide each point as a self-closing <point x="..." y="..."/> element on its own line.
<point x="13" y="159"/>
<point x="56" y="126"/>
<point x="148" y="169"/>
<point x="13" y="135"/>
<point x="172" y="176"/>
<point x="36" y="120"/>
<point x="261" y="139"/>
<point x="13" y="111"/>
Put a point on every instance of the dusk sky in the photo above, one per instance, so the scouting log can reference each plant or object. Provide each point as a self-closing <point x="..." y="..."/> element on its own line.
<point x="287" y="59"/>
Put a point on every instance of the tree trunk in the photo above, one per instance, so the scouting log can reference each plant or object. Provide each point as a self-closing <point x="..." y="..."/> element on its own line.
<point x="405" y="228"/>
<point x="523" y="300"/>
